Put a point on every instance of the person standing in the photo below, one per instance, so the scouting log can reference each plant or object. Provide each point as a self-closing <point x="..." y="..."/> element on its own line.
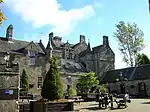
<point x="126" y="99"/>
<point x="111" y="100"/>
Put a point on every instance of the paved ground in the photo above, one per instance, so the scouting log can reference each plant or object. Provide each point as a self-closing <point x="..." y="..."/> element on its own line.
<point x="136" y="105"/>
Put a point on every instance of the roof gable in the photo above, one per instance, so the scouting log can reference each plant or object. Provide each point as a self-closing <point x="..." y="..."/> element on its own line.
<point x="17" y="45"/>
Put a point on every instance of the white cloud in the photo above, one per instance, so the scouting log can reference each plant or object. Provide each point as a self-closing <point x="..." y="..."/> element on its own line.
<point x="49" y="12"/>
<point x="146" y="50"/>
<point x="98" y="4"/>
<point x="118" y="61"/>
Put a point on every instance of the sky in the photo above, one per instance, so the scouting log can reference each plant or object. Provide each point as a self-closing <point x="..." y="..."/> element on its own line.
<point x="35" y="19"/>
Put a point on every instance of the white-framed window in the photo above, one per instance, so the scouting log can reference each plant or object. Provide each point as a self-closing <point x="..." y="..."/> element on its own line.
<point x="40" y="81"/>
<point x="31" y="56"/>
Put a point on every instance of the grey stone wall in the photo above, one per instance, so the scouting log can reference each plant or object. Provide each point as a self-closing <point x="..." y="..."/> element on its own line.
<point x="57" y="53"/>
<point x="33" y="71"/>
<point x="9" y="80"/>
<point x="39" y="69"/>
<point x="104" y="60"/>
<point x="9" y="106"/>
<point x="9" y="77"/>
<point x="79" y="48"/>
<point x="88" y="60"/>
<point x="132" y="91"/>
<point x="103" y="67"/>
<point x="100" y="60"/>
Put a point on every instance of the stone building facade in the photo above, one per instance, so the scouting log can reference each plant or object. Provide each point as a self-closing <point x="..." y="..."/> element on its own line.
<point x="9" y="87"/>
<point x="74" y="59"/>
<point x="134" y="80"/>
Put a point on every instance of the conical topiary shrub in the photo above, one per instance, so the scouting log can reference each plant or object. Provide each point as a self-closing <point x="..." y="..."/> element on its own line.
<point x="24" y="81"/>
<point x="52" y="87"/>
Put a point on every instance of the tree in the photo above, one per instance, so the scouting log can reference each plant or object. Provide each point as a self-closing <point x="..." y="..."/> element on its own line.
<point x="52" y="87"/>
<point x="86" y="82"/>
<point x="143" y="59"/>
<point x="130" y="40"/>
<point x="24" y="81"/>
<point x="2" y="17"/>
<point x="103" y="88"/>
<point x="72" y="90"/>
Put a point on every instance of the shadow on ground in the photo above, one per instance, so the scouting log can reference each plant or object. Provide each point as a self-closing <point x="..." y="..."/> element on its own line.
<point x="97" y="108"/>
<point x="117" y="108"/>
<point x="94" y="108"/>
<point x="145" y="103"/>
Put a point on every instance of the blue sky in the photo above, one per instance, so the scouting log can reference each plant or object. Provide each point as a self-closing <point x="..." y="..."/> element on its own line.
<point x="33" y="20"/>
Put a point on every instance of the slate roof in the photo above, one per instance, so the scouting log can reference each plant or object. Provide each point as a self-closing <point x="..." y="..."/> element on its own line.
<point x="84" y="53"/>
<point x="141" y="72"/>
<point x="15" y="45"/>
<point x="75" y="45"/>
<point x="71" y="66"/>
<point x="60" y="43"/>
<point x="56" y="44"/>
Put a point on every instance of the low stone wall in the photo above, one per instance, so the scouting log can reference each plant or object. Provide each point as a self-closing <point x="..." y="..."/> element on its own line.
<point x="88" y="97"/>
<point x="9" y="106"/>
<point x="51" y="107"/>
<point x="24" y="107"/>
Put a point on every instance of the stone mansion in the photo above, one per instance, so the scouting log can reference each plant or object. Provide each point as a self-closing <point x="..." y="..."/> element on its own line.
<point x="74" y="59"/>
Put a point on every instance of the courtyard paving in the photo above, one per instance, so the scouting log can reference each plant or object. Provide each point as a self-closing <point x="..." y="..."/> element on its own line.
<point x="136" y="105"/>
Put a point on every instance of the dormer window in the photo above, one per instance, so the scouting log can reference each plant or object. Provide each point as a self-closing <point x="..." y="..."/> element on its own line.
<point x="31" y="56"/>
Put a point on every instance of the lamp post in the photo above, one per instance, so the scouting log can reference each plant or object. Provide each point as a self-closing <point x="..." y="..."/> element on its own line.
<point x="120" y="79"/>
<point x="69" y="81"/>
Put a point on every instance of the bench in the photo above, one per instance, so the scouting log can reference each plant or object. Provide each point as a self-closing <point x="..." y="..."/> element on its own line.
<point x="76" y="99"/>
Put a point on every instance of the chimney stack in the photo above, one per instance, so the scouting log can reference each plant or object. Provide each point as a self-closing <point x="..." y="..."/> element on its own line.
<point x="82" y="38"/>
<point x="9" y="32"/>
<point x="51" y="35"/>
<point x="105" y="41"/>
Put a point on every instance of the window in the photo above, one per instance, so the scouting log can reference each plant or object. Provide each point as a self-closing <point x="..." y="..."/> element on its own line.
<point x="71" y="55"/>
<point x="39" y="82"/>
<point x="31" y="56"/>
<point x="21" y="86"/>
<point x="67" y="54"/>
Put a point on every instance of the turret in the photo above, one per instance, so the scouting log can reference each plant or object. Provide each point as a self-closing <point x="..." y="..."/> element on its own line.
<point x="9" y="32"/>
<point x="49" y="47"/>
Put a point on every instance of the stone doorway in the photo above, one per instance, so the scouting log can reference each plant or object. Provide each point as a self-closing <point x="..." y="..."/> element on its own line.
<point x="142" y="89"/>
<point x="122" y="88"/>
